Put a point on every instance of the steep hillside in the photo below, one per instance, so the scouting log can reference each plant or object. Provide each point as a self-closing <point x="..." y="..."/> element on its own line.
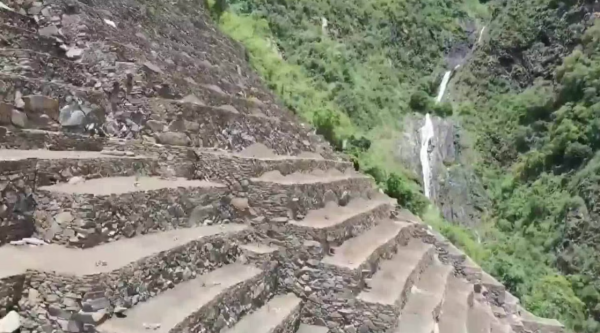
<point x="530" y="96"/>
<point x="514" y="155"/>
<point x="149" y="181"/>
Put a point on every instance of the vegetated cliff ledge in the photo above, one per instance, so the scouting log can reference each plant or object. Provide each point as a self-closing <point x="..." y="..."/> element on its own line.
<point x="137" y="164"/>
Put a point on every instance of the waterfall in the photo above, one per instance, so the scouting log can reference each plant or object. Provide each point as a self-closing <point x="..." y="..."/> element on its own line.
<point x="443" y="86"/>
<point x="481" y="34"/>
<point x="427" y="133"/>
<point x="426" y="136"/>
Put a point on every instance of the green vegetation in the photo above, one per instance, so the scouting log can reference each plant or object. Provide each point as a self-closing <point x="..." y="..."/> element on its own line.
<point x="541" y="163"/>
<point x="536" y="127"/>
<point x="354" y="78"/>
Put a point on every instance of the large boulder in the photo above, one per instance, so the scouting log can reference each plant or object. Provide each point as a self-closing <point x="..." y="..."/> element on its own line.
<point x="39" y="104"/>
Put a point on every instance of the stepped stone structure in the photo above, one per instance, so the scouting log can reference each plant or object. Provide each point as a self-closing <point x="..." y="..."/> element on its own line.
<point x="148" y="182"/>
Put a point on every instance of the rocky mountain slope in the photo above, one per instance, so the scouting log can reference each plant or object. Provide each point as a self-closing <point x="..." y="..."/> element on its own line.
<point x="149" y="182"/>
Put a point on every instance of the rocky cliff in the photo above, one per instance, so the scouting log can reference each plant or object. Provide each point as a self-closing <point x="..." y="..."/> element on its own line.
<point x="455" y="188"/>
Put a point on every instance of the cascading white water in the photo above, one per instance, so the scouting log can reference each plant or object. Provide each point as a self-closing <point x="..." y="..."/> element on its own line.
<point x="481" y="34"/>
<point x="426" y="136"/>
<point x="427" y="133"/>
<point x="443" y="85"/>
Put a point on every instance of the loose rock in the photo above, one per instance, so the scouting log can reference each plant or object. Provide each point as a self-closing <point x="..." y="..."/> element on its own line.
<point x="153" y="67"/>
<point x="49" y="31"/>
<point x="42" y="105"/>
<point x="10" y="323"/>
<point x="5" y="113"/>
<point x="155" y="125"/>
<point x="74" y="53"/>
<point x="192" y="99"/>
<point x="172" y="138"/>
<point x="18" y="118"/>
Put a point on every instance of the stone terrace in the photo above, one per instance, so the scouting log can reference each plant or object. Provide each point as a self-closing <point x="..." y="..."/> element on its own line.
<point x="149" y="182"/>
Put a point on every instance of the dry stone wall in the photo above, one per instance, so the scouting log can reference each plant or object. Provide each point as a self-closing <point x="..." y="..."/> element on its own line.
<point x="335" y="289"/>
<point x="86" y="220"/>
<point x="32" y="139"/>
<point x="56" y="299"/>
<point x="230" y="306"/>
<point x="284" y="201"/>
<point x="231" y="169"/>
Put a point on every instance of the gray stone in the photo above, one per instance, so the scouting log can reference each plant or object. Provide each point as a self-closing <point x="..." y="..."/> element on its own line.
<point x="42" y="105"/>
<point x="33" y="296"/>
<point x="172" y="138"/>
<point x="155" y="125"/>
<point x="72" y="116"/>
<point x="35" y="8"/>
<point x="192" y="99"/>
<point x="18" y="118"/>
<point x="19" y="103"/>
<point x="3" y="131"/>
<point x="229" y="108"/>
<point x="345" y="198"/>
<point x="74" y="326"/>
<point x="90" y="317"/>
<point x="281" y="219"/>
<point x="177" y="125"/>
<point x="240" y="204"/>
<point x="49" y="31"/>
<point x="52" y="298"/>
<point x="46" y="12"/>
<point x="10" y="323"/>
<point x="364" y="328"/>
<point x="70" y="303"/>
<point x="74" y="53"/>
<point x="63" y="324"/>
<point x="153" y="67"/>
<point x="64" y="218"/>
<point x="41" y="121"/>
<point x="191" y="126"/>
<point x="330" y="196"/>
<point x="199" y="214"/>
<point x="120" y="309"/>
<point x="55" y="311"/>
<point x="129" y="230"/>
<point x="205" y="63"/>
<point x="350" y="329"/>
<point x="5" y="113"/>
<point x="93" y="305"/>
<point x="221" y="322"/>
<point x="312" y="262"/>
<point x="125" y="67"/>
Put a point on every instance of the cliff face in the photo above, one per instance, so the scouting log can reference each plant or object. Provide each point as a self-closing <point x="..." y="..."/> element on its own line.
<point x="455" y="188"/>
<point x="524" y="41"/>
